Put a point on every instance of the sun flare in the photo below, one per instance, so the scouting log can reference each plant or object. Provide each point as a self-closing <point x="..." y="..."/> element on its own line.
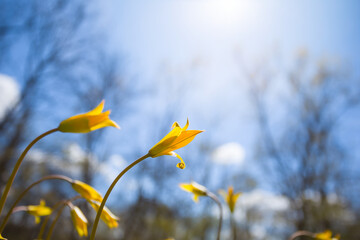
<point x="225" y="12"/>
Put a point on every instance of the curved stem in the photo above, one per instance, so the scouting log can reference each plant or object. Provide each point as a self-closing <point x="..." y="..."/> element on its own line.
<point x="233" y="225"/>
<point x="213" y="197"/>
<point x="98" y="214"/>
<point x="44" y="223"/>
<point x="17" y="166"/>
<point x="52" y="226"/>
<point x="56" y="206"/>
<point x="19" y="209"/>
<point x="301" y="234"/>
<point x="60" y="177"/>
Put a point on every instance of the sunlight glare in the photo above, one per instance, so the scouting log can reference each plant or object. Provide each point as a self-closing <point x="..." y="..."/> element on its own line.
<point x="225" y="12"/>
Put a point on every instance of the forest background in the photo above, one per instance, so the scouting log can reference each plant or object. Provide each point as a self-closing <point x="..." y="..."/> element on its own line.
<point x="275" y="84"/>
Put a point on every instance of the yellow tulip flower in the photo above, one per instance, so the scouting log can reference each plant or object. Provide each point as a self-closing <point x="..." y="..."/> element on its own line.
<point x="230" y="198"/>
<point x="194" y="188"/>
<point x="177" y="138"/>
<point x="86" y="191"/>
<point x="326" y="235"/>
<point x="79" y="220"/>
<point x="38" y="210"/>
<point x="106" y="215"/>
<point x="87" y="122"/>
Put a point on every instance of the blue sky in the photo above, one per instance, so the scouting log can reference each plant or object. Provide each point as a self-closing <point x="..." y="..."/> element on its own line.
<point x="204" y="45"/>
<point x="151" y="31"/>
<point x="222" y="36"/>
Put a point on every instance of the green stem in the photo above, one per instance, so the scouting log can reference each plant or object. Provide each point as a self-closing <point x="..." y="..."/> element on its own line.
<point x="213" y="197"/>
<point x="233" y="225"/>
<point x="56" y="206"/>
<point x="17" y="166"/>
<point x="20" y="209"/>
<point x="52" y="226"/>
<point x="43" y="225"/>
<point x="302" y="234"/>
<point x="98" y="214"/>
<point x="60" y="177"/>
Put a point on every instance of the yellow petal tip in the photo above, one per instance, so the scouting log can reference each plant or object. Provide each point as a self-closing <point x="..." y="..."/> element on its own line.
<point x="2" y="238"/>
<point x="180" y="165"/>
<point x="87" y="122"/>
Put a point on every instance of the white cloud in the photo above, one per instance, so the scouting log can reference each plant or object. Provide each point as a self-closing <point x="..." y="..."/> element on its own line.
<point x="258" y="232"/>
<point x="73" y="160"/>
<point x="38" y="156"/>
<point x="111" y="168"/>
<point x="229" y="153"/>
<point x="71" y="163"/>
<point x="333" y="198"/>
<point x="74" y="153"/>
<point x="264" y="201"/>
<point x="9" y="94"/>
<point x="268" y="209"/>
<point x="74" y="157"/>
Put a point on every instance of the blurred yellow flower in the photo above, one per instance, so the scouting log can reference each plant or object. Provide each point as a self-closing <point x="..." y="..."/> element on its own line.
<point x="326" y="235"/>
<point x="2" y="238"/>
<point x="177" y="138"/>
<point x="230" y="198"/>
<point x="38" y="210"/>
<point x="87" y="122"/>
<point x="79" y="221"/>
<point x="194" y="188"/>
<point x="106" y="215"/>
<point x="86" y="191"/>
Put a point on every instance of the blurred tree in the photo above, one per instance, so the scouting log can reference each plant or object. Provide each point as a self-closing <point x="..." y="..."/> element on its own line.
<point x="45" y="50"/>
<point x="300" y="149"/>
<point x="52" y="50"/>
<point x="10" y="26"/>
<point x="158" y="177"/>
<point x="101" y="81"/>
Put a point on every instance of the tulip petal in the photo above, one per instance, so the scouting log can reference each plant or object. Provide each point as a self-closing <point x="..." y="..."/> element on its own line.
<point x="194" y="188"/>
<point x="230" y="198"/>
<point x="98" y="109"/>
<point x="77" y="124"/>
<point x="186" y="125"/>
<point x="177" y="138"/>
<point x="163" y="144"/>
<point x="98" y="118"/>
<point x="86" y="122"/>
<point x="37" y="219"/>
<point x="196" y="198"/>
<point x="326" y="235"/>
<point x="79" y="221"/>
<point x="186" y="187"/>
<point x="181" y="164"/>
<point x="175" y="124"/>
<point x="39" y="210"/>
<point x="184" y="139"/>
<point x="106" y="215"/>
<point x="86" y="191"/>
<point x="106" y="123"/>
<point x="236" y="196"/>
